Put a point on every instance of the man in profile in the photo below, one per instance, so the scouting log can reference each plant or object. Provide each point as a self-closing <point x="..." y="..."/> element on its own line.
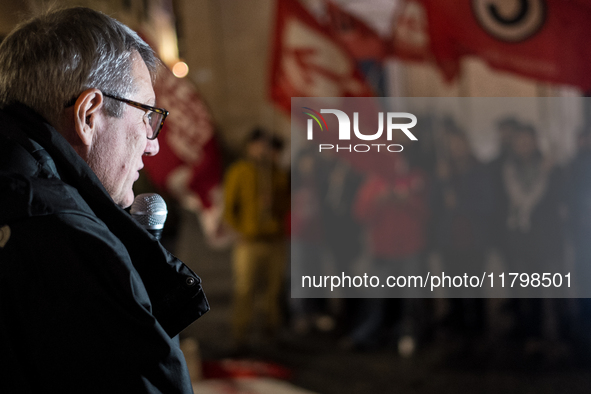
<point x="89" y="301"/>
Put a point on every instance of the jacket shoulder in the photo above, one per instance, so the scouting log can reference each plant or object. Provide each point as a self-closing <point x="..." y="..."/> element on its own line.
<point x="26" y="197"/>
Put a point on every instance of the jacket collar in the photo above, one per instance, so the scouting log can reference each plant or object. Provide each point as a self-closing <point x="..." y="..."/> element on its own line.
<point x="68" y="163"/>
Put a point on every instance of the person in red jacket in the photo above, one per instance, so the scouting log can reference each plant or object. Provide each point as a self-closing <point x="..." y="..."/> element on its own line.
<point x="394" y="212"/>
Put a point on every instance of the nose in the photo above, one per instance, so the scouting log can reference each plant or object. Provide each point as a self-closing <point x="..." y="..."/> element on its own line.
<point x="152" y="148"/>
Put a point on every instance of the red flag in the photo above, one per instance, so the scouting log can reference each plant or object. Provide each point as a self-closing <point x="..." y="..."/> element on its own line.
<point x="541" y="39"/>
<point x="359" y="39"/>
<point x="188" y="165"/>
<point x="308" y="61"/>
<point x="410" y="35"/>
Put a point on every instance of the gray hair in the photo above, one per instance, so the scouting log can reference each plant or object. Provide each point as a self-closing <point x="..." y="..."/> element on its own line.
<point x="51" y="59"/>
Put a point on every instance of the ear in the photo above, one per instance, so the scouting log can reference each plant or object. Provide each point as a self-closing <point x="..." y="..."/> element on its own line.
<point x="86" y="113"/>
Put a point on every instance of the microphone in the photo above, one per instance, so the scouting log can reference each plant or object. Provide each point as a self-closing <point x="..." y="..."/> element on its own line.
<point x="149" y="211"/>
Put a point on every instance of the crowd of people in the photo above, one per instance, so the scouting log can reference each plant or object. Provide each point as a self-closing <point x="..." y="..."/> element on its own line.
<point x="521" y="207"/>
<point x="83" y="283"/>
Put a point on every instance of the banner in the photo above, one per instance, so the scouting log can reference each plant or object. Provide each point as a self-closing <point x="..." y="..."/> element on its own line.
<point x="308" y="60"/>
<point x="410" y="35"/>
<point x="540" y="39"/>
<point x="362" y="42"/>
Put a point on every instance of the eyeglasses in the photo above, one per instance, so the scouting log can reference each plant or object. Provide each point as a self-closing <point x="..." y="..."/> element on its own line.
<point x="155" y="116"/>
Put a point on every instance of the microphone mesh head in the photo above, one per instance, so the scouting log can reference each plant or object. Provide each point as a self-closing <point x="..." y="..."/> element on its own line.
<point x="149" y="210"/>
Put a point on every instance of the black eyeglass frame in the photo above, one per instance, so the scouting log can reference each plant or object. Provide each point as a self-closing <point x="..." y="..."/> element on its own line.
<point x="145" y="107"/>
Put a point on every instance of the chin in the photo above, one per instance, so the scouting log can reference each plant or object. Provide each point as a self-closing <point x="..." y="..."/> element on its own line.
<point x="126" y="200"/>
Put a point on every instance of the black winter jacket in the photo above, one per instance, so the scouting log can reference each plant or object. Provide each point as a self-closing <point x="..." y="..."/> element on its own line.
<point x="89" y="301"/>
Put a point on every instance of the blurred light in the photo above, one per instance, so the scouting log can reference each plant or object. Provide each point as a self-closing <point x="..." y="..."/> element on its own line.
<point x="180" y="69"/>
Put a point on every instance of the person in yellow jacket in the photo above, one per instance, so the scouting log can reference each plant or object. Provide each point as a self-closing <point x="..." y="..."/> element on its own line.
<point x="256" y="202"/>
